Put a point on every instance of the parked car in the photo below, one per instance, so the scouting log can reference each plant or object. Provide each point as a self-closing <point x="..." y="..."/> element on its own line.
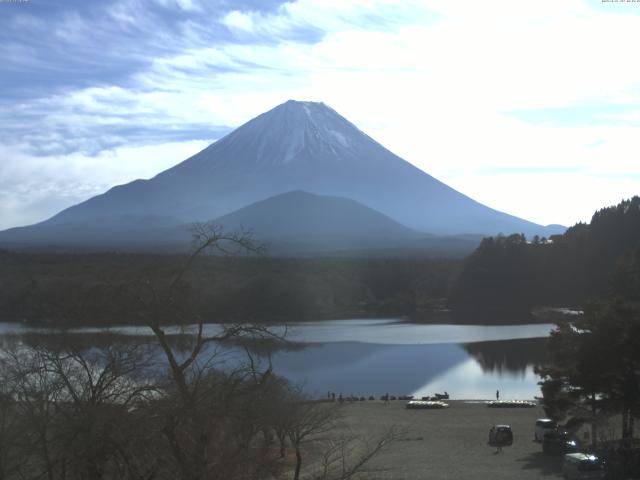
<point x="557" y="442"/>
<point x="543" y="425"/>
<point x="583" y="466"/>
<point x="500" y="436"/>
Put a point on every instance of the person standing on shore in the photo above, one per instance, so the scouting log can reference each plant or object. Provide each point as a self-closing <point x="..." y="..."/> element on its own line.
<point x="497" y="394"/>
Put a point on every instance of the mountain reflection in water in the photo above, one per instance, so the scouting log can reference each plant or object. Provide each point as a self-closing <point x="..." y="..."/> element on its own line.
<point x="374" y="357"/>
<point x="474" y="370"/>
<point x="511" y="356"/>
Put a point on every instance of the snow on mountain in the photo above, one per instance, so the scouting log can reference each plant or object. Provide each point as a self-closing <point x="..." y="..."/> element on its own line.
<point x="296" y="146"/>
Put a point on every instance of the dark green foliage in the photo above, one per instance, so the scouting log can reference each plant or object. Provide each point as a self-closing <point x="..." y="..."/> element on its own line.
<point x="96" y="288"/>
<point x="626" y="279"/>
<point x="593" y="367"/>
<point x="593" y="364"/>
<point x="494" y="274"/>
<point x="511" y="273"/>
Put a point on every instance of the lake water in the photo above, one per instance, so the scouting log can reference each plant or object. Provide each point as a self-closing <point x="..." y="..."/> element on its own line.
<point x="376" y="356"/>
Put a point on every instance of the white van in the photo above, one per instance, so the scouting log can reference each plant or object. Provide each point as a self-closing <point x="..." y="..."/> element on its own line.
<point x="543" y="425"/>
<point x="583" y="466"/>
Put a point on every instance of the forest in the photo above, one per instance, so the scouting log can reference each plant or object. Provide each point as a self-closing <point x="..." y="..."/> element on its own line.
<point x="95" y="289"/>
<point x="504" y="279"/>
<point x="591" y="372"/>
<point x="513" y="273"/>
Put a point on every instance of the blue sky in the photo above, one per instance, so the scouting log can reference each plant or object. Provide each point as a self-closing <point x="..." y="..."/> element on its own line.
<point x="532" y="108"/>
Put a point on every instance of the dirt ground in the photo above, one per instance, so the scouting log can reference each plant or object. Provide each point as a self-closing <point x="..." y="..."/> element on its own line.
<point x="451" y="443"/>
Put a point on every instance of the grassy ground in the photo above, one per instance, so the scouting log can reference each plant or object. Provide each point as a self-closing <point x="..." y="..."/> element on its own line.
<point x="452" y="443"/>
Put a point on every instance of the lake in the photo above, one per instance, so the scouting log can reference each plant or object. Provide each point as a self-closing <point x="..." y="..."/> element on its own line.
<point x="377" y="356"/>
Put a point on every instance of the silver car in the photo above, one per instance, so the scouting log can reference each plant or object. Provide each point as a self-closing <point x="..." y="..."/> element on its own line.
<point x="583" y="466"/>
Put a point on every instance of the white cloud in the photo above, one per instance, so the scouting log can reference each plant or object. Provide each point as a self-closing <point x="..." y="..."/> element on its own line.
<point x="238" y="20"/>
<point x="432" y="80"/>
<point x="32" y="190"/>
<point x="544" y="198"/>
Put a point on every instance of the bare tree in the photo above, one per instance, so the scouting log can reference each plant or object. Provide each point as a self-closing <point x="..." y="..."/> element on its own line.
<point x="34" y="394"/>
<point x="345" y="456"/>
<point x="309" y="419"/>
<point x="338" y="453"/>
<point x="74" y="409"/>
<point x="100" y="388"/>
<point x="15" y="444"/>
<point x="206" y="403"/>
<point x="165" y="409"/>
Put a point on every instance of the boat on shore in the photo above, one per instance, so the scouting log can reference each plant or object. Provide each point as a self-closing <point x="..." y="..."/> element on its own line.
<point x="426" y="405"/>
<point x="511" y="404"/>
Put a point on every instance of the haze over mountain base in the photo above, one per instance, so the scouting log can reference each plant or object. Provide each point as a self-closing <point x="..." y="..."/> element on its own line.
<point x="300" y="175"/>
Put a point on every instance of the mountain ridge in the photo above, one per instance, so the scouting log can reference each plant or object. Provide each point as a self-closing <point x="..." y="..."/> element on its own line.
<point x="303" y="146"/>
<point x="298" y="212"/>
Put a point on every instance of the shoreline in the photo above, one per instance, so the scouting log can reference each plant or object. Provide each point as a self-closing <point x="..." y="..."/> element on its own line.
<point x="451" y="443"/>
<point x="536" y="316"/>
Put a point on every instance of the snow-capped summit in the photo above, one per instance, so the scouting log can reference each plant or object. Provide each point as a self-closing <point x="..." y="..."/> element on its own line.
<point x="296" y="146"/>
<point x="292" y="132"/>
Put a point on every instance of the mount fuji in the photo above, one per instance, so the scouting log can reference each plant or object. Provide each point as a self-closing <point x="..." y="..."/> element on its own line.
<point x="295" y="147"/>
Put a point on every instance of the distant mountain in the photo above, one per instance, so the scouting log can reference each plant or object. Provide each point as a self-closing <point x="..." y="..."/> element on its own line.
<point x="296" y="146"/>
<point x="318" y="221"/>
<point x="303" y="224"/>
<point x="121" y="232"/>
<point x="290" y="224"/>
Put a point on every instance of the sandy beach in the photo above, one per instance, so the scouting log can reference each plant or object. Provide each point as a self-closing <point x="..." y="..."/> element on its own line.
<point x="452" y="443"/>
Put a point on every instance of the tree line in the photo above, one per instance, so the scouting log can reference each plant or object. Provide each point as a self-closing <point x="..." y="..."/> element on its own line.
<point x="60" y="289"/>
<point x="592" y="371"/>
<point x="513" y="273"/>
<point x="590" y="375"/>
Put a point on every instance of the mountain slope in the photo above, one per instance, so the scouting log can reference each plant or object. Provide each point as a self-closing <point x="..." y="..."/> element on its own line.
<point x="298" y="222"/>
<point x="300" y="214"/>
<point x="295" y="146"/>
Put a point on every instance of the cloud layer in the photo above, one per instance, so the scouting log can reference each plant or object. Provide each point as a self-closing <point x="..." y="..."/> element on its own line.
<point x="532" y="108"/>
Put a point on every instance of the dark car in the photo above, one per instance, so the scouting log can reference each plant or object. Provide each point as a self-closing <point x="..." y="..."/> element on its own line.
<point x="500" y="436"/>
<point x="543" y="425"/>
<point x="559" y="442"/>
